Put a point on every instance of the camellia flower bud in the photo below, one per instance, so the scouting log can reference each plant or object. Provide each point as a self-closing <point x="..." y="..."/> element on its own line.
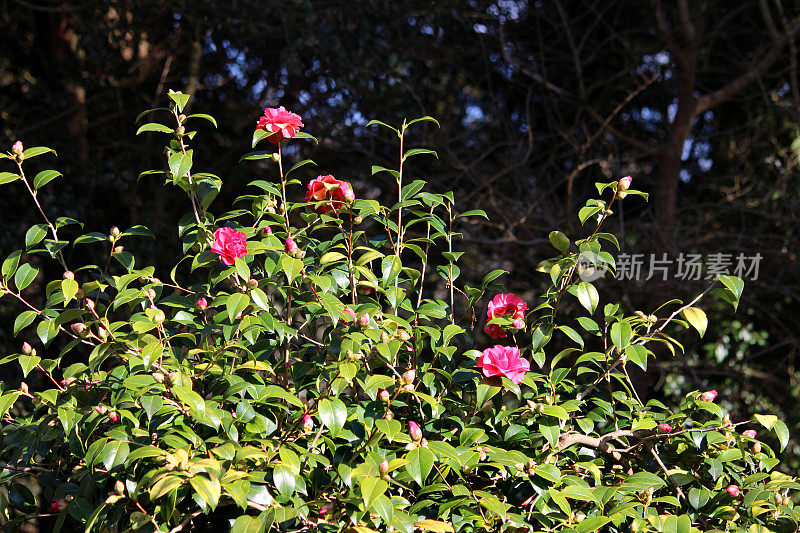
<point x="625" y="183"/>
<point x="364" y="320"/>
<point x="415" y="431"/>
<point x="114" y="232"/>
<point x="68" y="275"/>
<point x="159" y="316"/>
<point x="358" y="220"/>
<point x="202" y="303"/>
<point x="101" y="409"/>
<point x="66" y="382"/>
<point x="384" y="336"/>
<point x="750" y="433"/>
<point x="384" y="467"/>
<point x="58" y="506"/>
<point x="23" y="387"/>
<point x="17" y="149"/>
<point x="518" y="324"/>
<point x="708" y="396"/>
<point x="252" y="283"/>
<point x="291" y="247"/>
<point x="308" y="423"/>
<point x="118" y="249"/>
<point x="325" y="509"/>
<point x="113" y="416"/>
<point x="27" y="349"/>
<point x="384" y="395"/>
<point x="89" y="304"/>
<point x="756" y="447"/>
<point x="159" y="377"/>
<point x="349" y="312"/>
<point x="733" y="490"/>
<point x="664" y="427"/>
<point x="266" y="230"/>
<point x="78" y="328"/>
<point x="410" y="376"/>
<point x="404" y="335"/>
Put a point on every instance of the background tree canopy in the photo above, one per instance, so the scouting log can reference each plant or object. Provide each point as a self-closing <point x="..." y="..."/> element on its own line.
<point x="698" y="100"/>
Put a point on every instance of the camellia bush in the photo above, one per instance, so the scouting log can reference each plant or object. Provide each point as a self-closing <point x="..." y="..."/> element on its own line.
<point x="316" y="365"/>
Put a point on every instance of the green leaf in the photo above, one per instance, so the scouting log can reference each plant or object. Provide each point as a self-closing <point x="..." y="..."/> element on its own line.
<point x="44" y="177"/>
<point x="782" y="432"/>
<point x="390" y="268"/>
<point x="154" y="126"/>
<point x="621" y="334"/>
<point x="208" y="489"/>
<point x="284" y="480"/>
<point x="204" y="116"/>
<point x="236" y="303"/>
<point x="418" y="151"/>
<point x="559" y="241"/>
<point x="697" y="318"/>
<point x="37" y="151"/>
<point x="291" y="267"/>
<point x="24" y="320"/>
<point x="371" y="488"/>
<point x="8" y="177"/>
<point x="7" y="400"/>
<point x="180" y="100"/>
<point x="25" y="275"/>
<point x="333" y="414"/>
<point x="114" y="453"/>
<point x="420" y="463"/>
<point x="180" y="164"/>
<point x="588" y="296"/>
<point x="734" y="284"/>
<point x="35" y="234"/>
<point x="70" y="288"/>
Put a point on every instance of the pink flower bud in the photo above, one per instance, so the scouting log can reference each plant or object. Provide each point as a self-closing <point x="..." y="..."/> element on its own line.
<point x="66" y="382"/>
<point x="58" y="506"/>
<point x="308" y="423"/>
<point x="17" y="148"/>
<point x="625" y="183"/>
<point x="291" y="246"/>
<point x="266" y="230"/>
<point x="349" y="312"/>
<point x="518" y="323"/>
<point x="415" y="431"/>
<point x="364" y="320"/>
<point x="410" y="375"/>
<point x="89" y="303"/>
<point x="708" y="396"/>
<point x="101" y="409"/>
<point x="404" y="335"/>
<point x="384" y="467"/>
<point x="202" y="303"/>
<point x="664" y="427"/>
<point x="750" y="433"/>
<point x="27" y="349"/>
<point x="78" y="328"/>
<point x="733" y="490"/>
<point x="348" y="194"/>
<point x="384" y="395"/>
<point x="113" y="416"/>
<point x="114" y="232"/>
<point x="325" y="509"/>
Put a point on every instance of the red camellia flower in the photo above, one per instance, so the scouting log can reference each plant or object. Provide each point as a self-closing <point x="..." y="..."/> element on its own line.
<point x="329" y="193"/>
<point x="229" y="244"/>
<point x="507" y="305"/>
<point x="282" y="124"/>
<point x="504" y="361"/>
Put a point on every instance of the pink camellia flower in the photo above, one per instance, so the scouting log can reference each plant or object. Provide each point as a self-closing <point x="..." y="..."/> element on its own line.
<point x="733" y="490"/>
<point x="280" y="123"/>
<point x="664" y="427"/>
<point x="505" y="305"/>
<point x="58" y="506"/>
<point x="349" y="312"/>
<point x="328" y="193"/>
<point x="415" y="431"/>
<point x="750" y="433"/>
<point x="308" y="423"/>
<point x="624" y="183"/>
<point x="708" y="396"/>
<point x="229" y="244"/>
<point x="17" y="148"/>
<point x="504" y="361"/>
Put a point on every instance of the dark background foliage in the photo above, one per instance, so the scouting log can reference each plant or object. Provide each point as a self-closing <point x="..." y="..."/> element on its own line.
<point x="537" y="100"/>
